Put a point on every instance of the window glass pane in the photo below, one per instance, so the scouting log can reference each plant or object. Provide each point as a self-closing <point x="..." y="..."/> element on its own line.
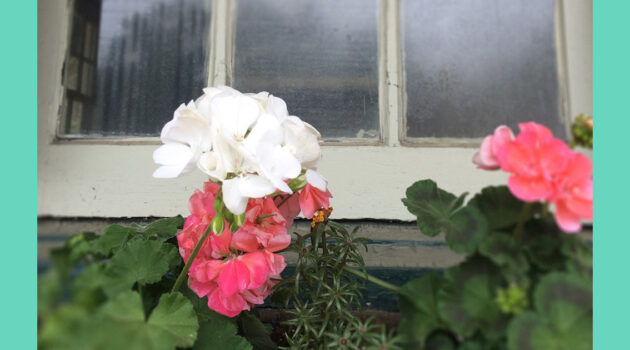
<point x="321" y="57"/>
<point x="133" y="62"/>
<point x="472" y="65"/>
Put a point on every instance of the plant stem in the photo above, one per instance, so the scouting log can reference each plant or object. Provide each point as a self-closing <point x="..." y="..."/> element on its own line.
<point x="518" y="231"/>
<point x="325" y="253"/>
<point x="283" y="201"/>
<point x="192" y="257"/>
<point x="379" y="282"/>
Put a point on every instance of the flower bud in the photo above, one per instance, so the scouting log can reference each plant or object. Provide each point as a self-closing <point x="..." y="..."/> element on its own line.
<point x="218" y="206"/>
<point x="298" y="183"/>
<point x="239" y="219"/>
<point x="217" y="225"/>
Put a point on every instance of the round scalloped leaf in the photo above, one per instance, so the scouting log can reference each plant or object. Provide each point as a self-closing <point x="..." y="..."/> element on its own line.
<point x="173" y="323"/>
<point x="113" y="238"/>
<point x="529" y="331"/>
<point x="440" y="341"/>
<point x="467" y="304"/>
<point x="562" y="298"/>
<point x="502" y="251"/>
<point x="418" y="305"/>
<point x="164" y="228"/>
<point x="499" y="206"/>
<point x="142" y="261"/>
<point x="466" y="230"/>
<point x="563" y="319"/>
<point x="431" y="205"/>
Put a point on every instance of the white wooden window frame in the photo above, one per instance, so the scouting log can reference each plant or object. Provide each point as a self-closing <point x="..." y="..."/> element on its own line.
<point x="111" y="176"/>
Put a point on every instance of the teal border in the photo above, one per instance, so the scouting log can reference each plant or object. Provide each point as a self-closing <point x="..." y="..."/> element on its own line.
<point x="18" y="28"/>
<point x="611" y="74"/>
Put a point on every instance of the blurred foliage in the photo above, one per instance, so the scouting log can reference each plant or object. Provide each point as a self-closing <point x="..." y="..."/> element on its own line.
<point x="516" y="292"/>
<point x="113" y="292"/>
<point x="582" y="131"/>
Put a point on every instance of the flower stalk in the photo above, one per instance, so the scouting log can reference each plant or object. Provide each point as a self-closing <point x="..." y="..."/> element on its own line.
<point x="193" y="255"/>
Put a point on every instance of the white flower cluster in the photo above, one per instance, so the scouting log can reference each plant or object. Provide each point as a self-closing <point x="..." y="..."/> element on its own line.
<point x="249" y="142"/>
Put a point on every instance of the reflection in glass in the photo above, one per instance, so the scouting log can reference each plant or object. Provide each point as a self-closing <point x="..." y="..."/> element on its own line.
<point x="472" y="65"/>
<point x="132" y="62"/>
<point x="321" y="57"/>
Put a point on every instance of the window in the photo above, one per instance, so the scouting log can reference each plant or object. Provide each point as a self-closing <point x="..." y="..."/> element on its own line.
<point x="402" y="90"/>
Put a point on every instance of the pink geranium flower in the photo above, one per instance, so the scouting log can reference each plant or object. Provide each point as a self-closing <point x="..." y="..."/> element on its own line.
<point x="234" y="270"/>
<point x="573" y="196"/>
<point x="486" y="157"/>
<point x="289" y="207"/>
<point x="312" y="199"/>
<point x="264" y="227"/>
<point x="542" y="168"/>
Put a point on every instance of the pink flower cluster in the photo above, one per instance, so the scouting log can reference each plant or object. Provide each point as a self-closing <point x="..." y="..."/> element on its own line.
<point x="237" y="270"/>
<point x="542" y="168"/>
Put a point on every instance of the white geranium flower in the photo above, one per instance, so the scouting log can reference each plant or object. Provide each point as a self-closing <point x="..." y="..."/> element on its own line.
<point x="185" y="138"/>
<point x="237" y="191"/>
<point x="247" y="141"/>
<point x="316" y="180"/>
<point x="302" y="140"/>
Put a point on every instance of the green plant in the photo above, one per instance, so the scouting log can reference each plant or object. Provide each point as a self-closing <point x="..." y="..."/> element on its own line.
<point x="325" y="291"/>
<point x="523" y="285"/>
<point x="114" y="292"/>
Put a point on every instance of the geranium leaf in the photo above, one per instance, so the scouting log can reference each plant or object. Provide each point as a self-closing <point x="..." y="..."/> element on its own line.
<point x="256" y="332"/>
<point x="174" y="315"/>
<point x="418" y="305"/>
<point x="501" y="250"/>
<point x="113" y="238"/>
<point x="563" y="319"/>
<point x="164" y="228"/>
<point x="500" y="208"/>
<point x="431" y="205"/>
<point x="220" y="335"/>
<point x="465" y="230"/>
<point x="466" y="302"/>
<point x="441" y="341"/>
<point x="143" y="261"/>
<point x="172" y="324"/>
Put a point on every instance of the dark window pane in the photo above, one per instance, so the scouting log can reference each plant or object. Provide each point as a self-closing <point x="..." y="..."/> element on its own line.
<point x="321" y="57"/>
<point x="134" y="62"/>
<point x="472" y="65"/>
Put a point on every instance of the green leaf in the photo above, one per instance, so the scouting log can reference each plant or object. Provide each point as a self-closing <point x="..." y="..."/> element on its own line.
<point x="438" y="212"/>
<point x="80" y="245"/>
<point x="256" y="332"/>
<point x="467" y="229"/>
<point x="562" y="298"/>
<point x="219" y="335"/>
<point x="529" y="331"/>
<point x="500" y="208"/>
<point x="113" y="238"/>
<point x="563" y="319"/>
<point x="164" y="228"/>
<point x="440" y="341"/>
<point x="579" y="256"/>
<point x="467" y="301"/>
<point x="172" y="324"/>
<point x="502" y="251"/>
<point x="431" y="205"/>
<point x="69" y="328"/>
<point x="418" y="305"/>
<point x="175" y="316"/>
<point x="48" y="291"/>
<point x="142" y="261"/>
